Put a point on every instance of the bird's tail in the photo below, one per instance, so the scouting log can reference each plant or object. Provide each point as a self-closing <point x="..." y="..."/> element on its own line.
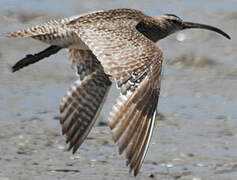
<point x="31" y="59"/>
<point x="35" y="31"/>
<point x="20" y="33"/>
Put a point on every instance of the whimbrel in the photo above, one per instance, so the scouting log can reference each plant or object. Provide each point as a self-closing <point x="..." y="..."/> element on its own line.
<point x="113" y="45"/>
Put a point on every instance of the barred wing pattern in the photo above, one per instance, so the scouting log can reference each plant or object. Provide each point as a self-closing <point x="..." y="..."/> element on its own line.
<point x="132" y="121"/>
<point x="135" y="63"/>
<point x="83" y="102"/>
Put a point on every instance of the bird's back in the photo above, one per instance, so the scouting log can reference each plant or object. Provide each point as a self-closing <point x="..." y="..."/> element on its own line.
<point x="53" y="27"/>
<point x="58" y="32"/>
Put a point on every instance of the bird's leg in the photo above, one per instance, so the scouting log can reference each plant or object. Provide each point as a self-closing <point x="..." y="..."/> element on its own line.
<point x="31" y="59"/>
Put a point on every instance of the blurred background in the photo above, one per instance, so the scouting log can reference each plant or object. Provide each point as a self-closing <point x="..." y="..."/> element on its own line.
<point x="196" y="132"/>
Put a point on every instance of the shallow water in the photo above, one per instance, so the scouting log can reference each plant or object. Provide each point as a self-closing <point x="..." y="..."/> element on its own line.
<point x="196" y="138"/>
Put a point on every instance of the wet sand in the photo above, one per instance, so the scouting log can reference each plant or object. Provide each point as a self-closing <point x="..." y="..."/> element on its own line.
<point x="195" y="135"/>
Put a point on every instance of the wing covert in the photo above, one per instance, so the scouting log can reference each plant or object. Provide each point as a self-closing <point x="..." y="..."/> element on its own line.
<point x="120" y="48"/>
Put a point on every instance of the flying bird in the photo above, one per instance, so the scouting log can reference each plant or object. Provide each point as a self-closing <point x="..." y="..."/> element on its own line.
<point x="105" y="46"/>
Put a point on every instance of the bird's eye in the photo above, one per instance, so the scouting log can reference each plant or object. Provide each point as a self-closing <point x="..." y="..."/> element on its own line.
<point x="175" y="21"/>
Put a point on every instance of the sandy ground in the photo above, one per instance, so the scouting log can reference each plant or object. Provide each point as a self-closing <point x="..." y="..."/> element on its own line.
<point x="195" y="135"/>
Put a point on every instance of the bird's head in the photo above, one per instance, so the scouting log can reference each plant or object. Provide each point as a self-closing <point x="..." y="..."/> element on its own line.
<point x="172" y="23"/>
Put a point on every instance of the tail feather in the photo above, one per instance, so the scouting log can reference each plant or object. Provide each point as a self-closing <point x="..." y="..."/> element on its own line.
<point x="20" y="34"/>
<point x="31" y="59"/>
<point x="43" y="29"/>
<point x="50" y="27"/>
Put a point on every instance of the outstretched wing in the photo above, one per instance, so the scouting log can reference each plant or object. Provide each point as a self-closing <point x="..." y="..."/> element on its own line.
<point x="135" y="63"/>
<point x="83" y="102"/>
<point x="132" y="121"/>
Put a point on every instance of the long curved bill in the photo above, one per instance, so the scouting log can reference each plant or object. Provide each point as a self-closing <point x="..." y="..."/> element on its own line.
<point x="188" y="25"/>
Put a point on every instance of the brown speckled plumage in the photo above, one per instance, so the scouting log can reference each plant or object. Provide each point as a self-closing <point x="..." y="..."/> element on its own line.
<point x="115" y="45"/>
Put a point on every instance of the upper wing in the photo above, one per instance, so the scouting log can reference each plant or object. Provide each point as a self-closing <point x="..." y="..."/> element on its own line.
<point x="121" y="49"/>
<point x="135" y="63"/>
<point x="83" y="102"/>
